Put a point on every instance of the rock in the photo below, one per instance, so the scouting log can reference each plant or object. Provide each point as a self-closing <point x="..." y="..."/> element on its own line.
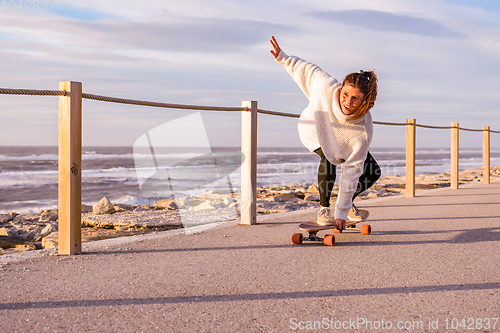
<point x="313" y="188"/>
<point x="118" y="209"/>
<point x="31" y="234"/>
<point x="48" y="216"/>
<point x="284" y="197"/>
<point x="311" y="197"/>
<point x="51" y="240"/>
<point x="204" y="206"/>
<point x="189" y="202"/>
<point x="41" y="211"/>
<point x="8" y="232"/>
<point x="20" y="248"/>
<point x="27" y="218"/>
<point x="49" y="228"/>
<point x="104" y="206"/>
<point x="6" y="218"/>
<point x="25" y="247"/>
<point x="207" y="202"/>
<point x="299" y="194"/>
<point x="86" y="208"/>
<point x="296" y="206"/>
<point x="228" y="201"/>
<point x="122" y="207"/>
<point x="166" y="203"/>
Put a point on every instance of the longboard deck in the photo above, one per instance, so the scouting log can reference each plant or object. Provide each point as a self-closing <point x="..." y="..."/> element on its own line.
<point x="314" y="226"/>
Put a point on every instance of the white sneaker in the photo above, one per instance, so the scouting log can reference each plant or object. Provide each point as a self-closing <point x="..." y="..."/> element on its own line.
<point x="354" y="215"/>
<point x="324" y="217"/>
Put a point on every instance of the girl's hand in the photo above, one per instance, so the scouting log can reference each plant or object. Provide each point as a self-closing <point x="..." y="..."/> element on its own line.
<point x="340" y="224"/>
<point x="276" y="47"/>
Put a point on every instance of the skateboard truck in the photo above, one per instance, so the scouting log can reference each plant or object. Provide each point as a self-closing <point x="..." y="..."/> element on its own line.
<point x="313" y="237"/>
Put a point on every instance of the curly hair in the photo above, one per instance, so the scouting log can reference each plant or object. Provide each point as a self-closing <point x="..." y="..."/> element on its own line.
<point x="366" y="82"/>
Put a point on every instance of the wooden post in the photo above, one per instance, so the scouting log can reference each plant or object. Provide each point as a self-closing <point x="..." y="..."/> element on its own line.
<point x="70" y="172"/>
<point x="454" y="156"/>
<point x="486" y="154"/>
<point x="249" y="164"/>
<point x="410" y="157"/>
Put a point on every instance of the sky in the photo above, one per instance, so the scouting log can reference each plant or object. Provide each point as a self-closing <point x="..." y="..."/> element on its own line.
<point x="437" y="62"/>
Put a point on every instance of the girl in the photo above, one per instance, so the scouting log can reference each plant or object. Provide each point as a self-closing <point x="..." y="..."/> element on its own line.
<point x="337" y="125"/>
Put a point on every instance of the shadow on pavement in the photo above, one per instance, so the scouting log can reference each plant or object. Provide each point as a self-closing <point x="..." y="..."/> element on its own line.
<point x="248" y="297"/>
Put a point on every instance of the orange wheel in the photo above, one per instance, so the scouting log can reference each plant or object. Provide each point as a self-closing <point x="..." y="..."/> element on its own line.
<point x="366" y="229"/>
<point x="329" y="240"/>
<point x="337" y="231"/>
<point x="297" y="238"/>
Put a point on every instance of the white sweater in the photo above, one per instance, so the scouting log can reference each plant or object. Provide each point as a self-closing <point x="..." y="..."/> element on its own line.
<point x="322" y="124"/>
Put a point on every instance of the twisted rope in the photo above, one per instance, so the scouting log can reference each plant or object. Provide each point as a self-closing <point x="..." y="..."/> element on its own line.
<point x="433" y="127"/>
<point x="276" y="113"/>
<point x="34" y="92"/>
<point x="158" y="104"/>
<point x="470" y="129"/>
<point x="390" y="124"/>
<point x="9" y="91"/>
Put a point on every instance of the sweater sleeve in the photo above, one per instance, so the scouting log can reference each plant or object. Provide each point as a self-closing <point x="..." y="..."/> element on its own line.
<point x="352" y="169"/>
<point x="303" y="73"/>
<point x="348" y="185"/>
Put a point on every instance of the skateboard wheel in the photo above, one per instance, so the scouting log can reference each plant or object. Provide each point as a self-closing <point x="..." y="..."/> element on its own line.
<point x="366" y="229"/>
<point x="337" y="231"/>
<point x="297" y="238"/>
<point x="329" y="240"/>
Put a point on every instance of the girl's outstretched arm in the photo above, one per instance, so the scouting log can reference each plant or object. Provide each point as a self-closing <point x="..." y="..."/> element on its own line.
<point x="276" y="47"/>
<point x="304" y="74"/>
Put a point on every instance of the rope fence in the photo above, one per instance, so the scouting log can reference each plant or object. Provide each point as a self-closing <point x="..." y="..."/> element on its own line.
<point x="293" y="115"/>
<point x="32" y="92"/>
<point x="35" y="92"/>
<point x="70" y="152"/>
<point x="276" y="113"/>
<point x="159" y="104"/>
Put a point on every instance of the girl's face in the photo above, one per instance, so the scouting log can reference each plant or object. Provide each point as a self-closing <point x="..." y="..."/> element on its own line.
<point x="349" y="99"/>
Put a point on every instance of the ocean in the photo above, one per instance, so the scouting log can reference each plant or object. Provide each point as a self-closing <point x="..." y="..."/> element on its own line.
<point x="28" y="175"/>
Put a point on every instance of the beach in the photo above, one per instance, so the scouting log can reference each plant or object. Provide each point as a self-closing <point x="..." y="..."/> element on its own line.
<point x="32" y="231"/>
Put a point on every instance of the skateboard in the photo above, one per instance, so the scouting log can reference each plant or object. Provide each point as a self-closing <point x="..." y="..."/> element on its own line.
<point x="313" y="228"/>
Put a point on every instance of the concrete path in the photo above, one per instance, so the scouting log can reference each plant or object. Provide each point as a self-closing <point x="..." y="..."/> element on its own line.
<point x="430" y="265"/>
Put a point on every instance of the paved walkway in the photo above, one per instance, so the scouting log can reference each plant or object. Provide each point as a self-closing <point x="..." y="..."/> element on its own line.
<point x="430" y="261"/>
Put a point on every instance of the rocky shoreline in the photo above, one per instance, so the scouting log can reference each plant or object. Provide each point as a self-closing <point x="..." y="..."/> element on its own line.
<point x="31" y="231"/>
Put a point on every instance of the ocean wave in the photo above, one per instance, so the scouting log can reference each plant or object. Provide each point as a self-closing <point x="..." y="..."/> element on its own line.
<point x="32" y="157"/>
<point x="113" y="173"/>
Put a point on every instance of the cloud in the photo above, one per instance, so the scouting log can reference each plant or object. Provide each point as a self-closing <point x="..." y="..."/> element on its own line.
<point x="388" y="22"/>
<point x="171" y="34"/>
<point x="182" y="34"/>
